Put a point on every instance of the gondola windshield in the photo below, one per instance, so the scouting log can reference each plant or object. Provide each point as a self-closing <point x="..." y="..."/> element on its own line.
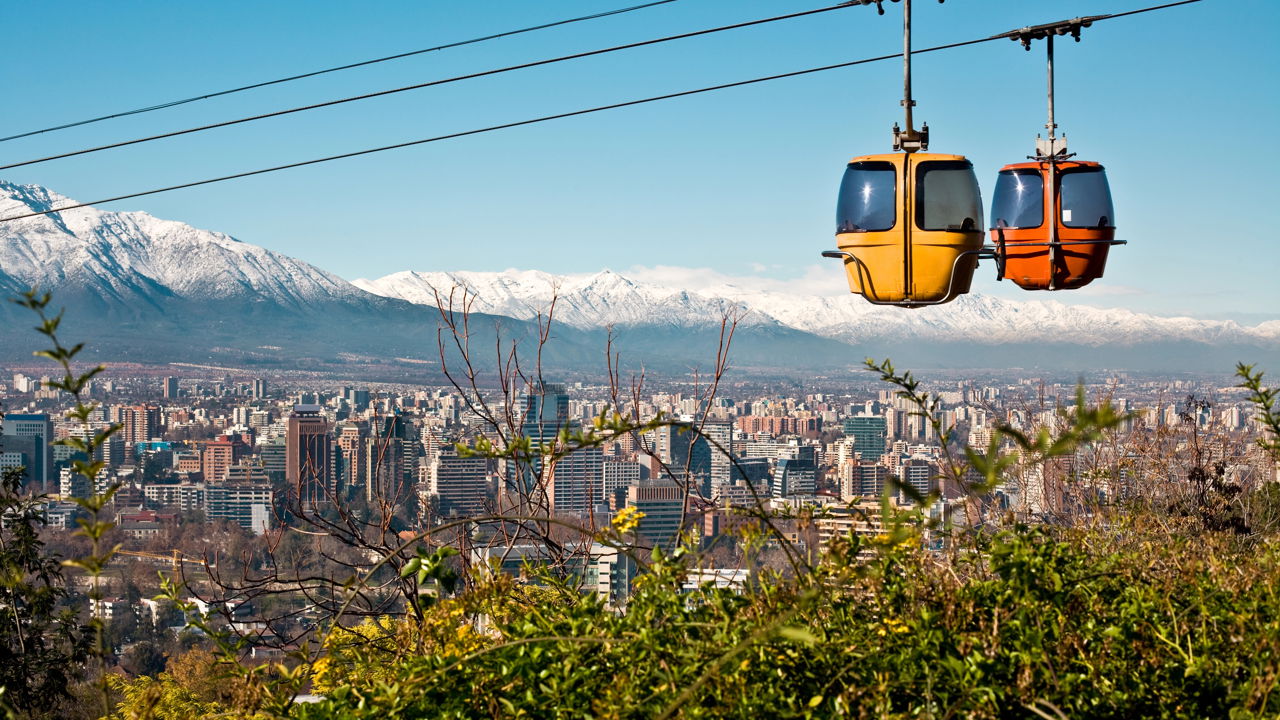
<point x="1086" y="199"/>
<point x="1019" y="200"/>
<point x="947" y="196"/>
<point x="867" y="195"/>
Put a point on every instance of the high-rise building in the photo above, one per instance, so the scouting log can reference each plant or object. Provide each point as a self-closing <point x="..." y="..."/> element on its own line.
<point x="219" y="455"/>
<point x="171" y="388"/>
<point x="272" y="454"/>
<point x="662" y="502"/>
<point x="39" y="428"/>
<point x="308" y="455"/>
<point x="259" y="389"/>
<point x="576" y="481"/>
<point x="869" y="432"/>
<point x="351" y="461"/>
<point x="390" y="456"/>
<point x="460" y="484"/>
<point x="719" y="441"/>
<point x="919" y="474"/>
<point x="618" y="475"/>
<point x="243" y="497"/>
<point x="543" y="413"/>
<point x="865" y="480"/>
<point x="797" y="475"/>
<point x="139" y="423"/>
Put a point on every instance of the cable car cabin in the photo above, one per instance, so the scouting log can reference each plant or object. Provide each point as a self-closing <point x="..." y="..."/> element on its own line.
<point x="1037" y="255"/>
<point x="910" y="227"/>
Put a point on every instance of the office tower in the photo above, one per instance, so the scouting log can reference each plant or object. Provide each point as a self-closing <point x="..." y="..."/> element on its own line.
<point x="797" y="475"/>
<point x="244" y="497"/>
<point x="21" y="452"/>
<point x="389" y="457"/>
<point x="358" y="399"/>
<point x="308" y="451"/>
<point x="543" y="414"/>
<point x="618" y="475"/>
<point x="575" y="484"/>
<point x="918" y="473"/>
<point x="272" y="455"/>
<point x="670" y="446"/>
<point x="719" y="442"/>
<point x="37" y="455"/>
<point x="351" y="457"/>
<point x="170" y="388"/>
<point x="460" y="484"/>
<point x="662" y="502"/>
<point x="259" y="389"/>
<point x="869" y="432"/>
<point x="754" y="471"/>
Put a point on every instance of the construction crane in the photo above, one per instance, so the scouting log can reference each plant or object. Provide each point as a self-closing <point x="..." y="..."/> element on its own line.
<point x="177" y="557"/>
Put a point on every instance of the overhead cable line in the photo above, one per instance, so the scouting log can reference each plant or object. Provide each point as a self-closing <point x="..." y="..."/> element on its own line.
<point x="432" y="83"/>
<point x="544" y="118"/>
<point x="349" y="66"/>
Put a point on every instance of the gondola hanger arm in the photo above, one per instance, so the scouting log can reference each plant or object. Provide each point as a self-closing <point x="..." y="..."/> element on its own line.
<point x="1072" y="27"/>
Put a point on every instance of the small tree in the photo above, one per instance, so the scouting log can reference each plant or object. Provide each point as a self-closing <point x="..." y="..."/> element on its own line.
<point x="42" y="648"/>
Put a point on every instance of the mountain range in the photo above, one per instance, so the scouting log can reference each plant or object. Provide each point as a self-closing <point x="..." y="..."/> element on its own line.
<point x="143" y="289"/>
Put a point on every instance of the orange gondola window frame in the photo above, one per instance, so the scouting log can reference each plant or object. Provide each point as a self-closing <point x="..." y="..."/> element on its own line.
<point x="1085" y="198"/>
<point x="1018" y="201"/>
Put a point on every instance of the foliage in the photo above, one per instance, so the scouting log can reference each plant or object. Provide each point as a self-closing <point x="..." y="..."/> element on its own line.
<point x="195" y="685"/>
<point x="143" y="658"/>
<point x="1096" y="624"/>
<point x="1266" y="401"/>
<point x="92" y="527"/>
<point x="41" y="646"/>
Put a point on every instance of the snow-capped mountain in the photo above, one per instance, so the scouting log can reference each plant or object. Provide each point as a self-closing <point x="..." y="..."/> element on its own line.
<point x="582" y="301"/>
<point x="136" y="287"/>
<point x="133" y="256"/>
<point x="607" y="298"/>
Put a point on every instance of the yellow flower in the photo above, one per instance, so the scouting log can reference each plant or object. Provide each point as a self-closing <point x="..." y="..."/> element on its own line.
<point x="627" y="519"/>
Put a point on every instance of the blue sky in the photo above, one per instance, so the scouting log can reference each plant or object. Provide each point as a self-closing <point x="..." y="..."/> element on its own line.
<point x="1178" y="104"/>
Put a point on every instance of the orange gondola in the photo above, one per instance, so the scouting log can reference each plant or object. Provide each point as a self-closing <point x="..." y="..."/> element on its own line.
<point x="1066" y="247"/>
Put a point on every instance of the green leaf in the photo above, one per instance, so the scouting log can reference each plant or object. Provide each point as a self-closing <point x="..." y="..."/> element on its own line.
<point x="797" y="634"/>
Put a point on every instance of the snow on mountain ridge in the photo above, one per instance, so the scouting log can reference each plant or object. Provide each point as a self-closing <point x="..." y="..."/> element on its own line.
<point x="596" y="300"/>
<point x="125" y="254"/>
<point x="582" y="301"/>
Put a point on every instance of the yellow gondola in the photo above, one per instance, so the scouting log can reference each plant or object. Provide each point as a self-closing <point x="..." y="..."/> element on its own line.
<point x="909" y="224"/>
<point x="909" y="227"/>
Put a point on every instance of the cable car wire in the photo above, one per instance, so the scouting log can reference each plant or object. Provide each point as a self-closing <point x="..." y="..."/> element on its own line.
<point x="432" y="83"/>
<point x="493" y="128"/>
<point x="534" y="121"/>
<point x="349" y="66"/>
